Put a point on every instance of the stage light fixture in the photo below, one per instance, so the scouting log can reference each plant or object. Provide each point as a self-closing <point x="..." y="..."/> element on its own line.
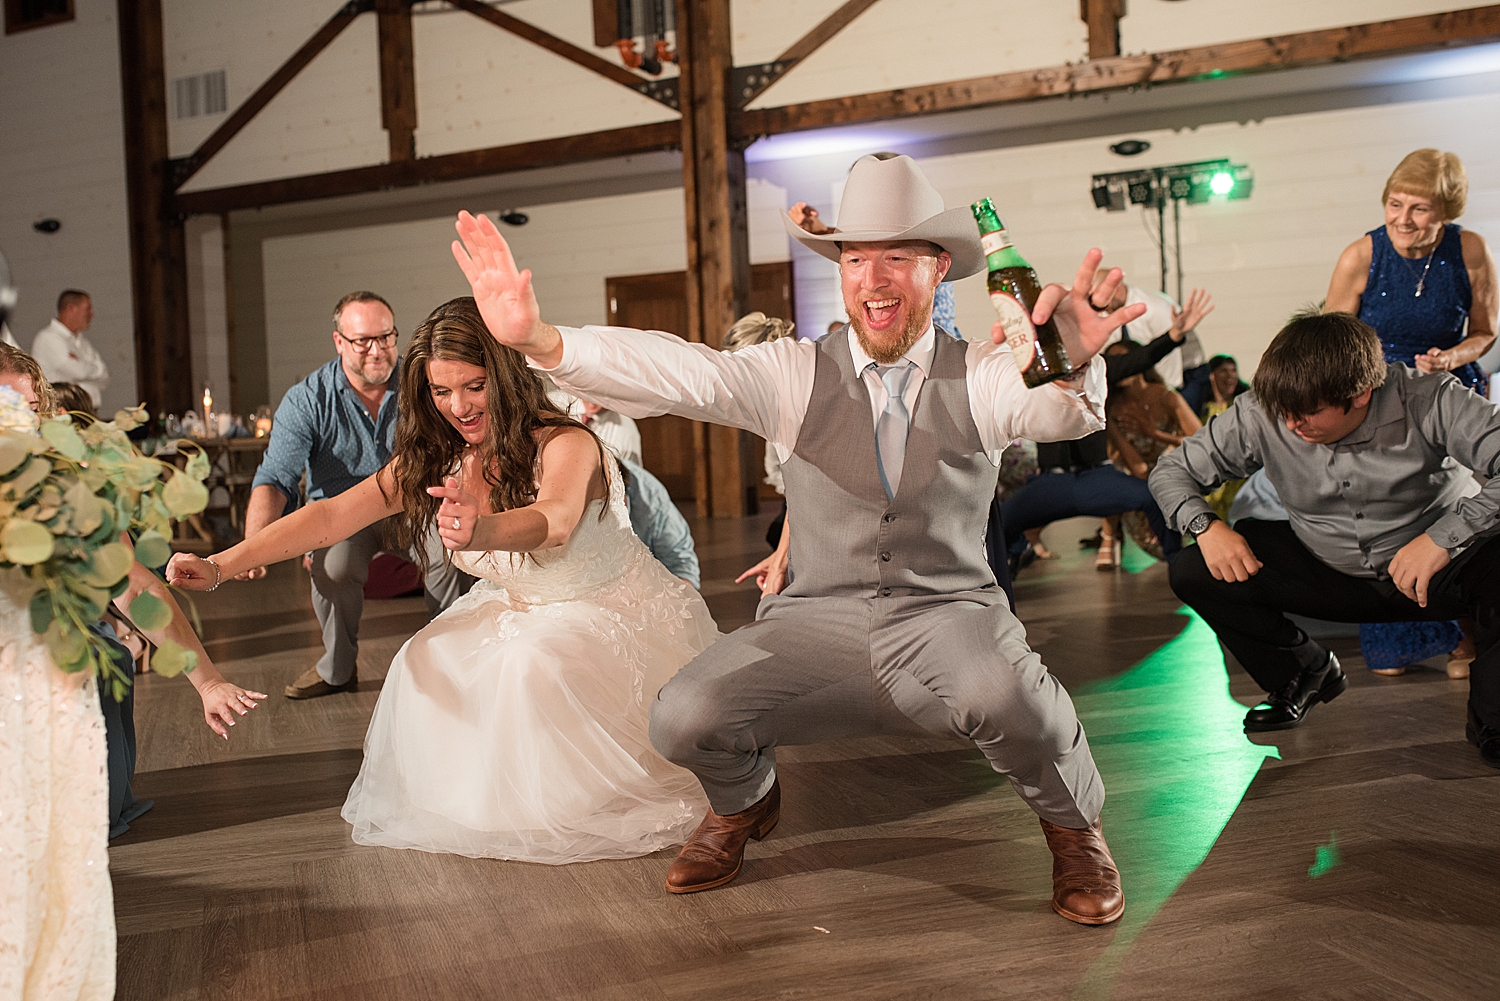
<point x="46" y="226"/>
<point x="513" y="217"/>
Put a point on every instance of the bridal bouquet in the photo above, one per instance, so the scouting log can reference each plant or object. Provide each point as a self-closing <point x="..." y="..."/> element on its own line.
<point x="71" y="499"/>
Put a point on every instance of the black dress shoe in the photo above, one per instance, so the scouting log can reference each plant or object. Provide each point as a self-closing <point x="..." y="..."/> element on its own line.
<point x="1285" y="709"/>
<point x="1020" y="561"/>
<point x="1484" y="737"/>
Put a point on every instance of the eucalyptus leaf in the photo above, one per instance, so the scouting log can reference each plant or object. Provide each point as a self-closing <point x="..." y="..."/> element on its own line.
<point x="61" y="435"/>
<point x="111" y="562"/>
<point x="66" y="646"/>
<point x="150" y="613"/>
<point x="125" y="420"/>
<point x="141" y="473"/>
<point x="37" y="470"/>
<point x="94" y="477"/>
<point x="92" y="601"/>
<point x="24" y="542"/>
<point x="88" y="512"/>
<point x="197" y="466"/>
<point x="13" y="451"/>
<point x="40" y="608"/>
<point x="152" y="550"/>
<point x="184" y="495"/>
<point x="171" y="659"/>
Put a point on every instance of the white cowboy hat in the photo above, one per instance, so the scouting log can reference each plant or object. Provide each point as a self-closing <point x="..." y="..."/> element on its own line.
<point x="888" y="200"/>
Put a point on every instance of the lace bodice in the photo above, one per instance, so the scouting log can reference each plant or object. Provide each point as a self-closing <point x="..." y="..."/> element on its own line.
<point x="602" y="548"/>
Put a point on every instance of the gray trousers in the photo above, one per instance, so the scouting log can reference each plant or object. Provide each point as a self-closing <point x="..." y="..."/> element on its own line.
<point x="814" y="669"/>
<point x="338" y="593"/>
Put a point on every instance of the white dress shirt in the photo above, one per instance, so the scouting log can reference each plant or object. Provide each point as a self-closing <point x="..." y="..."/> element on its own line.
<point x="766" y="388"/>
<point x="1156" y="321"/>
<point x="68" y="357"/>
<point x="618" y="433"/>
<point x="7" y="337"/>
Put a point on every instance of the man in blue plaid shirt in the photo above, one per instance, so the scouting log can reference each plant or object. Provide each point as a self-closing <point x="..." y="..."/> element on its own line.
<point x="338" y="426"/>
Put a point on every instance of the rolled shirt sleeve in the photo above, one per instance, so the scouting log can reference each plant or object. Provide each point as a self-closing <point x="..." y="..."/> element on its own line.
<point x="290" y="447"/>
<point x="1004" y="409"/>
<point x="1467" y="427"/>
<point x="1222" y="450"/>
<point x="763" y="389"/>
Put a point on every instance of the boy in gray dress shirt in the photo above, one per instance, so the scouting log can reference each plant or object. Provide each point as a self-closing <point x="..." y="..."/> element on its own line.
<point x="1386" y="523"/>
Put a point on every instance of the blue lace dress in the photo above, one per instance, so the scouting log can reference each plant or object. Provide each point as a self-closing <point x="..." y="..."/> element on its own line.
<point x="1408" y="326"/>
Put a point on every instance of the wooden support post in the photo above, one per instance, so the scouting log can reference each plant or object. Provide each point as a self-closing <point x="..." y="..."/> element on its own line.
<point x="1103" y="19"/>
<point x="718" y="246"/>
<point x="398" y="78"/>
<point x="158" y="257"/>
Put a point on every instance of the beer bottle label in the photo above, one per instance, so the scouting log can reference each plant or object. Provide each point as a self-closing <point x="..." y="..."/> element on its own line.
<point x="1020" y="335"/>
<point x="993" y="241"/>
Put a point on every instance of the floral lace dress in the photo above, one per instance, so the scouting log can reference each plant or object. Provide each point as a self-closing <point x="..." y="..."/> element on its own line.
<point x="514" y="725"/>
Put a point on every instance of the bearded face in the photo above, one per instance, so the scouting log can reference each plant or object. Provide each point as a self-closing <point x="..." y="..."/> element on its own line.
<point x="888" y="290"/>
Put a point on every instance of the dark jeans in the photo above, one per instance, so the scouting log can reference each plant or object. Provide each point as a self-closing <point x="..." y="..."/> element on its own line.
<point x="1101" y="491"/>
<point x="1249" y="618"/>
<point x="119" y="739"/>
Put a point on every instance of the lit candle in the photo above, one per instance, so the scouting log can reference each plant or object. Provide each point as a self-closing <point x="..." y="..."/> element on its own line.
<point x="208" y="412"/>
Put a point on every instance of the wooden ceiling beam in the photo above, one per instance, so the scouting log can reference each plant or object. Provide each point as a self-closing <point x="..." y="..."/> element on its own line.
<point x="398" y="78"/>
<point x="185" y="167"/>
<point x="561" y="47"/>
<point x="449" y="167"/>
<point x="1362" y="41"/>
<point x="804" y="47"/>
<point x="1103" y="19"/>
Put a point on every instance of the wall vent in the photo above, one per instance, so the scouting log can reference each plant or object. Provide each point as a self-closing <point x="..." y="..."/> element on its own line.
<point x="200" y="95"/>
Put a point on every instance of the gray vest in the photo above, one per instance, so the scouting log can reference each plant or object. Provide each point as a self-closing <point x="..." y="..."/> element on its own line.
<point x="848" y="539"/>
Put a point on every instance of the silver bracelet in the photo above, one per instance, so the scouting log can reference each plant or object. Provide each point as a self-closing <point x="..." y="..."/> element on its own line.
<point x="218" y="574"/>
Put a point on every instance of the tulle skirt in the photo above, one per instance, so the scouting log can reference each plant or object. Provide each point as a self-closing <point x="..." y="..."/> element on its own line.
<point x="519" y="731"/>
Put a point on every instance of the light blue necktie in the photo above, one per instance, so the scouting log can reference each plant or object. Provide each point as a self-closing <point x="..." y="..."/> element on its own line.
<point x="891" y="428"/>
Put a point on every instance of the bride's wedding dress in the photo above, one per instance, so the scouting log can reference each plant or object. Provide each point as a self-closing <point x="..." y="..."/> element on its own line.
<point x="514" y="725"/>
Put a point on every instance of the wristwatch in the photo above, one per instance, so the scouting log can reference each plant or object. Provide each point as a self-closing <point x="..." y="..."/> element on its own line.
<point x="1200" y="524"/>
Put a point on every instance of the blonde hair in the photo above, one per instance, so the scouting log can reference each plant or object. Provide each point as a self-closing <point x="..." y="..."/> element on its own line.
<point x="755" y="328"/>
<point x="14" y="361"/>
<point x="1432" y="173"/>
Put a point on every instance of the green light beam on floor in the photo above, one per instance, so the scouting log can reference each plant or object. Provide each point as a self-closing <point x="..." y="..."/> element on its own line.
<point x="1170" y="744"/>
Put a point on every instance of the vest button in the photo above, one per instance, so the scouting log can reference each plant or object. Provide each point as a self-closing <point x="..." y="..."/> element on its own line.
<point x="888" y="518"/>
<point x="885" y="592"/>
<point x="885" y="557"/>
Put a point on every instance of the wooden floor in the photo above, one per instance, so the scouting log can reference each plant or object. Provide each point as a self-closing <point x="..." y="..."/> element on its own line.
<point x="1357" y="857"/>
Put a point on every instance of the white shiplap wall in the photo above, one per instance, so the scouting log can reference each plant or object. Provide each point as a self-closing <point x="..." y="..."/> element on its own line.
<point x="62" y="156"/>
<point x="570" y="247"/>
<point x="1318" y="179"/>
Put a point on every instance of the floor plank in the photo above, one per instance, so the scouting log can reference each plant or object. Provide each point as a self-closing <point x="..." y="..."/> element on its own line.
<point x="1355" y="857"/>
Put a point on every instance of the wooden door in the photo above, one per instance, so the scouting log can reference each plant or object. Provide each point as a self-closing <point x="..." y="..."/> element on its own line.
<point x="659" y="302"/>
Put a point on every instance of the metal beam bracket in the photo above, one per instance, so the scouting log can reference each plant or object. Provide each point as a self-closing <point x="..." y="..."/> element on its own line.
<point x="180" y="168"/>
<point x="663" y="91"/>
<point x="747" y="82"/>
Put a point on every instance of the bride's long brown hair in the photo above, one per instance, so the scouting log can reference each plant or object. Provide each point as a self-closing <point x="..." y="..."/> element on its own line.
<point x="428" y="447"/>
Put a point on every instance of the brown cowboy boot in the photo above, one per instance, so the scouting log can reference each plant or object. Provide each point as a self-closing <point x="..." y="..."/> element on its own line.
<point x="713" y="855"/>
<point x="1085" y="882"/>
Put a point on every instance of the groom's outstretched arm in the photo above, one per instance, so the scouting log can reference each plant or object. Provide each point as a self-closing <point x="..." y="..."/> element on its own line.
<point x="762" y="389"/>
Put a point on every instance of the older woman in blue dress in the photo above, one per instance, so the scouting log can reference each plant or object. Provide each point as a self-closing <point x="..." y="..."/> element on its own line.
<point x="1428" y="288"/>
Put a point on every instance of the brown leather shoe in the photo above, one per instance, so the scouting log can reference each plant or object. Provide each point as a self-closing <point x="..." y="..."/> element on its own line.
<point x="713" y="855"/>
<point x="1085" y="882"/>
<point x="310" y="685"/>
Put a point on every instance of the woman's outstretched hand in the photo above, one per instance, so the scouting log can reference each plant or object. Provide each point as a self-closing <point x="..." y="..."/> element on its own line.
<point x="502" y="292"/>
<point x="221" y="701"/>
<point x="191" y="573"/>
<point x="458" y="514"/>
<point x="1078" y="321"/>
<point x="1185" y="320"/>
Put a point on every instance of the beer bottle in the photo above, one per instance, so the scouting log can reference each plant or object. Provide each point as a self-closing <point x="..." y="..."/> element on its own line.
<point x="1014" y="290"/>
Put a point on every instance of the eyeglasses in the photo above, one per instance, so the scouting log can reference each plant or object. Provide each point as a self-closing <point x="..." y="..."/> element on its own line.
<point x="364" y="345"/>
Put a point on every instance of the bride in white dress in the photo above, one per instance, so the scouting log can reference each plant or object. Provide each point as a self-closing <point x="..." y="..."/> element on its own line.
<point x="514" y="725"/>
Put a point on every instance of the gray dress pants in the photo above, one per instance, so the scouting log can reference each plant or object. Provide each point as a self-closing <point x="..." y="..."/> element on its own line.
<point x="338" y="593"/>
<point x="814" y="669"/>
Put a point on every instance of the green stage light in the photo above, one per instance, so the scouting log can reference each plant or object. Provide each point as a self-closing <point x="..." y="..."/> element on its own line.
<point x="1222" y="183"/>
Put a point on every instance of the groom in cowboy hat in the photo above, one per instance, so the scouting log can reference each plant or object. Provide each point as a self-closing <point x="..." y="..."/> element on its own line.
<point x="890" y="437"/>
